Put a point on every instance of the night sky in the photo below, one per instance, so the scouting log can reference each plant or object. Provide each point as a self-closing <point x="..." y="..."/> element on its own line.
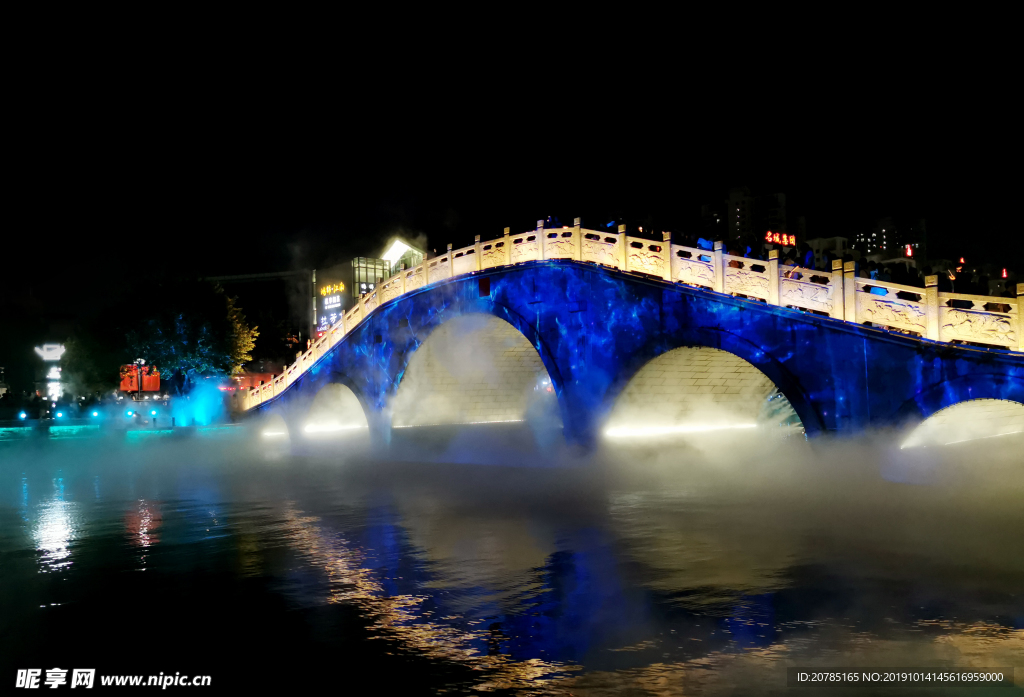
<point x="214" y="185"/>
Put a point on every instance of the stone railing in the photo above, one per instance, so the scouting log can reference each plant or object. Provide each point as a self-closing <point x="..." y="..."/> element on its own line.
<point x="924" y="312"/>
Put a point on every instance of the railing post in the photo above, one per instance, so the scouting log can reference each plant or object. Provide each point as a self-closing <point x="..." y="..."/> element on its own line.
<point x="476" y="246"/>
<point x="931" y="307"/>
<point x="836" y="288"/>
<point x="1020" y="316"/>
<point x="850" y="291"/>
<point x="508" y="247"/>
<point x="666" y="264"/>
<point x="542" y="236"/>
<point x="773" y="277"/>
<point x="624" y="245"/>
<point x="451" y="262"/>
<point x="577" y="238"/>
<point x="401" y="272"/>
<point x="719" y="262"/>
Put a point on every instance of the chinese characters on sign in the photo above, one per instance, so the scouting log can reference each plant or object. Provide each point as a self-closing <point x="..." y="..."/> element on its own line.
<point x="780" y="238"/>
<point x="330" y="288"/>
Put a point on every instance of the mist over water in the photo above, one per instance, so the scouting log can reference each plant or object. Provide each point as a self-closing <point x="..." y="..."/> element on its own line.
<point x="498" y="562"/>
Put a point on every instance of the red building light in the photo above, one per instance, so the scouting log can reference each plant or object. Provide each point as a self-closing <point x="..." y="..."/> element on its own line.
<point x="910" y="252"/>
<point x="1004" y="273"/>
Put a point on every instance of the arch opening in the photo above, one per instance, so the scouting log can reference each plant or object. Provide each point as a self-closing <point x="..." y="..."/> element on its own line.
<point x="692" y="391"/>
<point x="476" y="369"/>
<point x="273" y="427"/>
<point x="968" y="421"/>
<point x="334" y="412"/>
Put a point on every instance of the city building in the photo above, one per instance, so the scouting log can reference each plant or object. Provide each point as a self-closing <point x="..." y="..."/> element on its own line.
<point x="339" y="287"/>
<point x="749" y="217"/>
<point x="890" y="238"/>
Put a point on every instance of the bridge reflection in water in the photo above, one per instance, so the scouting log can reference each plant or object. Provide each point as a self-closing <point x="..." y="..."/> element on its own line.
<point x="713" y="574"/>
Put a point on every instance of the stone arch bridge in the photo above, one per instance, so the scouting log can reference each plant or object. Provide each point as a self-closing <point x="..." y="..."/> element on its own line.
<point x="597" y="307"/>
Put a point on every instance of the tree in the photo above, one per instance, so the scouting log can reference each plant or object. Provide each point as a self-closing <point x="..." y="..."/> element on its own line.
<point x="201" y="331"/>
<point x="243" y="337"/>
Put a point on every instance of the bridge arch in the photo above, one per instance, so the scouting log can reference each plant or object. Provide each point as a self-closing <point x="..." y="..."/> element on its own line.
<point x="693" y="389"/>
<point x="947" y="393"/>
<point x="334" y="409"/>
<point x="970" y="420"/>
<point x="475" y="367"/>
<point x="744" y="354"/>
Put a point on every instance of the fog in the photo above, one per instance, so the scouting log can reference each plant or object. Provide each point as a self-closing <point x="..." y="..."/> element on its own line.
<point x="704" y="525"/>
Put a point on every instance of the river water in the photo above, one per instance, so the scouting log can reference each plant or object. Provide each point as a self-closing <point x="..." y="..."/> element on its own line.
<point x="672" y="568"/>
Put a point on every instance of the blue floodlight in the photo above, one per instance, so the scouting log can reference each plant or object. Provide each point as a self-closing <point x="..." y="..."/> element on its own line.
<point x="60" y="414"/>
<point x="95" y="413"/>
<point x="153" y="413"/>
<point x="22" y="415"/>
<point x="129" y="412"/>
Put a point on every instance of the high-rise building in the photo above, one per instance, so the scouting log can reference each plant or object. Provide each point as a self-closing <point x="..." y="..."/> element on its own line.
<point x="739" y="212"/>
<point x="749" y="217"/>
<point x="890" y="237"/>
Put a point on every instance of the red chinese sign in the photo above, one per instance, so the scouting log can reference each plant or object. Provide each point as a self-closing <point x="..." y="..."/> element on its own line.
<point x="780" y="238"/>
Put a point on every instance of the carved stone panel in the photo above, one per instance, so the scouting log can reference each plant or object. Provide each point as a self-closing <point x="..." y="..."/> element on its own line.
<point x="812" y="296"/>
<point x="561" y="248"/>
<point x="392" y="290"/>
<point x="890" y="313"/>
<point x="414" y="279"/>
<point x="439" y="272"/>
<point x="695" y="273"/>
<point x="464" y="264"/>
<point x="982" y="327"/>
<point x="495" y="256"/>
<point x="525" y="251"/>
<point x="599" y="252"/>
<point x="746" y="282"/>
<point x="646" y="261"/>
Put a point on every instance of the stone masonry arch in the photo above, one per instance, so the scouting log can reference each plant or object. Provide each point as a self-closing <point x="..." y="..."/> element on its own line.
<point x="473" y="368"/>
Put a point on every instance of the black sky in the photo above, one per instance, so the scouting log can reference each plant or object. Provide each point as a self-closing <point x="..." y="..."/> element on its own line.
<point x="227" y="174"/>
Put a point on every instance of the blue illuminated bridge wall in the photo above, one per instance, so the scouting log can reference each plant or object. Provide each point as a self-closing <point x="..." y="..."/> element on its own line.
<point x="595" y="327"/>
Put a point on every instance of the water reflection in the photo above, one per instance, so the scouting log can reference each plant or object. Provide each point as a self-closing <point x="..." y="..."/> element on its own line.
<point x="142" y="523"/>
<point x="651" y="575"/>
<point x="54" y="530"/>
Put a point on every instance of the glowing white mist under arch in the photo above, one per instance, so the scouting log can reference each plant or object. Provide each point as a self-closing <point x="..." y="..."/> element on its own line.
<point x="975" y="419"/>
<point x="473" y="369"/>
<point x="692" y="390"/>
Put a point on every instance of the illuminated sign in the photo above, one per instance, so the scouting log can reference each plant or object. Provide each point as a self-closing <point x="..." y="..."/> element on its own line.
<point x="780" y="238"/>
<point x="332" y="301"/>
<point x="50" y="352"/>
<point x="332" y="288"/>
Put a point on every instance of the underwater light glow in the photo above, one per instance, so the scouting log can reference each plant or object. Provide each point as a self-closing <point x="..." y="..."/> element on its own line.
<point x="641" y="431"/>
<point x="129" y="413"/>
<point x="95" y="413"/>
<point x="153" y="413"/>
<point x="22" y="415"/>
<point x="60" y="414"/>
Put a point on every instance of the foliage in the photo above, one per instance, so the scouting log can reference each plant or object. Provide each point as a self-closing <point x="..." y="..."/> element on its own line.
<point x="243" y="337"/>
<point x="173" y="324"/>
